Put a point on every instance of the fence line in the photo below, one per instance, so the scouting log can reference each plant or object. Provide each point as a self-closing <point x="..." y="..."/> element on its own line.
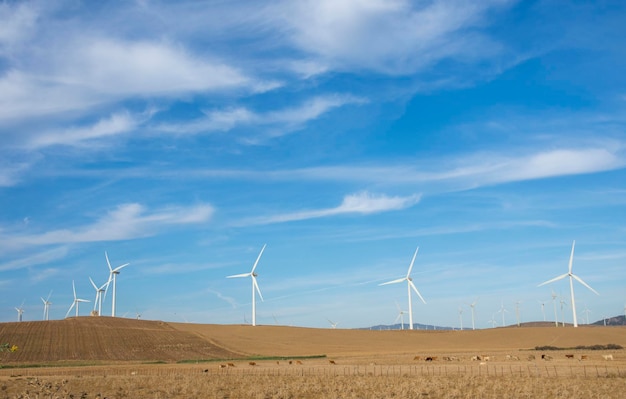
<point x="486" y="370"/>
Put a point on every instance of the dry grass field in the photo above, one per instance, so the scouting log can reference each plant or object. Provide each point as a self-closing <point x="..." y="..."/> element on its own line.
<point x="103" y="357"/>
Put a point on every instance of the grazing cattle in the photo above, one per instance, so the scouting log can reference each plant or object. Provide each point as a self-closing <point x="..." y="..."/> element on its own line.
<point x="530" y="357"/>
<point x="429" y="358"/>
<point x="511" y="357"/>
<point x="569" y="356"/>
<point x="417" y="358"/>
<point x="607" y="357"/>
<point x="298" y="362"/>
<point x="222" y="366"/>
<point x="486" y="358"/>
<point x="450" y="358"/>
<point x="582" y="357"/>
<point x="252" y="363"/>
<point x="205" y="370"/>
<point x="476" y="358"/>
<point x="231" y="364"/>
<point x="332" y="362"/>
<point x="546" y="357"/>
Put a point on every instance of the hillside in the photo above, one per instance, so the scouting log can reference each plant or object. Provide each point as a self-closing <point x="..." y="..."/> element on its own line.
<point x="116" y="339"/>
<point x="106" y="339"/>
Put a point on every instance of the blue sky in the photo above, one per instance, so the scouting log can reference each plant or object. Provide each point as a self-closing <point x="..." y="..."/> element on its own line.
<point x="343" y="134"/>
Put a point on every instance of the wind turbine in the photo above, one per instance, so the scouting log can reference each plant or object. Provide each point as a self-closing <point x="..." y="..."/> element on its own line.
<point x="461" y="316"/>
<point x="493" y="321"/>
<point x="563" y="304"/>
<point x="472" y="306"/>
<point x="502" y="310"/>
<point x="410" y="286"/>
<point x="113" y="276"/>
<point x="572" y="277"/>
<point x="556" y="319"/>
<point x="517" y="312"/>
<point x="99" y="291"/>
<point x="543" y="309"/>
<point x="46" y="306"/>
<point x="587" y="311"/>
<point x="20" y="311"/>
<point x="400" y="316"/>
<point x="255" y="286"/>
<point x="333" y="324"/>
<point x="76" y="301"/>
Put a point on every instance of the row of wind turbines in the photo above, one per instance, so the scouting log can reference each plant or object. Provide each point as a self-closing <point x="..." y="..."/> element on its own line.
<point x="101" y="292"/>
<point x="412" y="288"/>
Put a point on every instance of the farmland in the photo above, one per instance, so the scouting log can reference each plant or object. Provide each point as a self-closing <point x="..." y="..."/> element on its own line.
<point x="93" y="357"/>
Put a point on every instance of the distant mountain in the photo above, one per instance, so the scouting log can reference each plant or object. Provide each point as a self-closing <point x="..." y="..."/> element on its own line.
<point x="612" y="321"/>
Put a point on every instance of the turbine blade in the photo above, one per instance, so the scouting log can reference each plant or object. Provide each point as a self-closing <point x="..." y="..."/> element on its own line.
<point x="239" y="275"/>
<point x="108" y="263"/>
<point x="70" y="309"/>
<point x="74" y="289"/>
<point x="571" y="257"/>
<point x="394" y="281"/>
<point x="580" y="280"/>
<point x="256" y="286"/>
<point x="117" y="269"/>
<point x="50" y="294"/>
<point x="258" y="257"/>
<point x="94" y="284"/>
<point x="416" y="291"/>
<point x="412" y="262"/>
<point x="554" y="279"/>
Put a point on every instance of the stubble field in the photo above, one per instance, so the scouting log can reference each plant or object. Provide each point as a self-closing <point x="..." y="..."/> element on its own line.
<point x="119" y="358"/>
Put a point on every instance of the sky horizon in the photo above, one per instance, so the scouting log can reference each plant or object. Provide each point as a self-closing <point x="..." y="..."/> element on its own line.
<point x="182" y="138"/>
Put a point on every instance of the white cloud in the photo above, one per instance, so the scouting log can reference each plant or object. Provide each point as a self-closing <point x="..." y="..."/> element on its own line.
<point x="16" y="22"/>
<point x="279" y="121"/>
<point x="35" y="259"/>
<point x="362" y="203"/>
<point x="389" y="36"/>
<point x="127" y="221"/>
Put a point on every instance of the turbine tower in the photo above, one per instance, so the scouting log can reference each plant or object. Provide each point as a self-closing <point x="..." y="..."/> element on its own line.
<point x="76" y="302"/>
<point x="255" y="286"/>
<point x="113" y="277"/>
<point x="472" y="306"/>
<point x="97" y="305"/>
<point x="410" y="286"/>
<point x="461" y="316"/>
<point x="556" y="318"/>
<point x="572" y="277"/>
<point x="46" y="306"/>
<point x="543" y="309"/>
<point x="400" y="316"/>
<point x="503" y="311"/>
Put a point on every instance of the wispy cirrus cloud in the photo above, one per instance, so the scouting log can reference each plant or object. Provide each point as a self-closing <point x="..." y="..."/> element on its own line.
<point x="363" y="203"/>
<point x="275" y="123"/>
<point x="125" y="222"/>
<point x="36" y="259"/>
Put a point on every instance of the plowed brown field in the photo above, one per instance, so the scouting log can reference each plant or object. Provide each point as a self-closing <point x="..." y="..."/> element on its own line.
<point x="109" y="357"/>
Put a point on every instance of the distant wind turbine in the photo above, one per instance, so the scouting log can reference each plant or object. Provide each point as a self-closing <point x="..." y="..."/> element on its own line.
<point x="333" y="324"/>
<point x="76" y="301"/>
<point x="572" y="277"/>
<point x="543" y="309"/>
<point x="20" y="311"/>
<point x="556" y="319"/>
<point x="410" y="286"/>
<point x="46" y="306"/>
<point x="472" y="306"/>
<point x="97" y="305"/>
<point x="461" y="317"/>
<point x="503" y="311"/>
<point x="255" y="286"/>
<point x="400" y="316"/>
<point x="493" y="321"/>
<point x="517" y="314"/>
<point x="113" y="277"/>
<point x="563" y="304"/>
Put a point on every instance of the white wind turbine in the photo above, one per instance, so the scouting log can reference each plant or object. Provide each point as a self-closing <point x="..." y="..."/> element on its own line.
<point x="75" y="302"/>
<point x="461" y="316"/>
<point x="400" y="316"/>
<point x="97" y="305"/>
<point x="503" y="311"/>
<point x="572" y="277"/>
<point x="472" y="306"/>
<point x="543" y="309"/>
<point x="517" y="314"/>
<point x="333" y="324"/>
<point x="410" y="286"/>
<point x="493" y="321"/>
<point x="113" y="277"/>
<point x="20" y="311"/>
<point x="255" y="286"/>
<point x="556" y="319"/>
<point x="46" y="306"/>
